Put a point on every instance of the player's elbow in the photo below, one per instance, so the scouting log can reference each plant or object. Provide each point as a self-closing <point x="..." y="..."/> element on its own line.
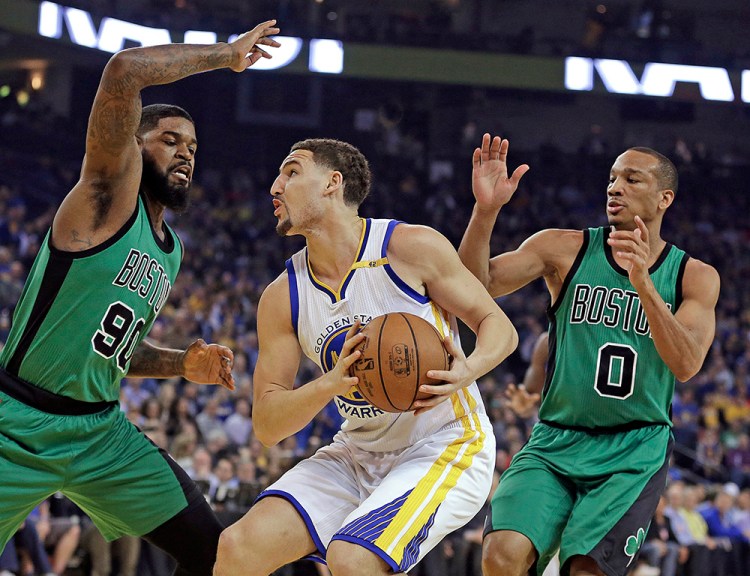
<point x="510" y="342"/>
<point x="687" y="368"/>
<point x="683" y="374"/>
<point x="120" y="64"/>
<point x="266" y="435"/>
<point x="514" y="339"/>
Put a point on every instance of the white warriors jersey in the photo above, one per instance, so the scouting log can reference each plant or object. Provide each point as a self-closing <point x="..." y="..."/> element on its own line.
<point x="322" y="315"/>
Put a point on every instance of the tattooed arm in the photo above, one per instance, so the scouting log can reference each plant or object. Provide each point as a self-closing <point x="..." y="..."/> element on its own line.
<point x="201" y="363"/>
<point x="106" y="193"/>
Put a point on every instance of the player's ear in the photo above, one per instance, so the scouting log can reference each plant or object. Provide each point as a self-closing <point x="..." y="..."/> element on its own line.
<point x="335" y="180"/>
<point x="667" y="197"/>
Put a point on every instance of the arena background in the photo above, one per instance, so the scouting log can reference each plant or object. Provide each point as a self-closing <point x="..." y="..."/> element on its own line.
<point x="414" y="85"/>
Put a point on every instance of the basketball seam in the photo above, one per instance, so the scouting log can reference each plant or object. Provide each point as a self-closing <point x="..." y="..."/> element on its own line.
<point x="416" y="359"/>
<point x="380" y="363"/>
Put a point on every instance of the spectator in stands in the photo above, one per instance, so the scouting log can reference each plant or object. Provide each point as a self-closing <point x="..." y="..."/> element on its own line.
<point x="720" y="518"/>
<point x="125" y="551"/>
<point x="238" y="426"/>
<point x="661" y="549"/>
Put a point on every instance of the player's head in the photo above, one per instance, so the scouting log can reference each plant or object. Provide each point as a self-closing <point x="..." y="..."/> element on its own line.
<point x="166" y="135"/>
<point x="642" y="182"/>
<point x="345" y="158"/>
<point x="315" y="173"/>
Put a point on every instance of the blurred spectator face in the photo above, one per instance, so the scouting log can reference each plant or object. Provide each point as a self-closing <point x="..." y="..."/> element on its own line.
<point x="692" y="497"/>
<point x="246" y="471"/>
<point x="724" y="501"/>
<point x="201" y="464"/>
<point x="243" y="407"/>
<point x="224" y="470"/>
<point x="743" y="500"/>
<point x="676" y="495"/>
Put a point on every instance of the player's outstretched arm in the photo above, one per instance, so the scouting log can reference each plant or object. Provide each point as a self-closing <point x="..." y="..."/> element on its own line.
<point x="105" y="196"/>
<point x="200" y="363"/>
<point x="492" y="189"/>
<point x="279" y="409"/>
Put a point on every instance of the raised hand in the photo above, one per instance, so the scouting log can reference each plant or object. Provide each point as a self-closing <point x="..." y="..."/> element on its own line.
<point x="246" y="50"/>
<point x="208" y="364"/>
<point x="490" y="183"/>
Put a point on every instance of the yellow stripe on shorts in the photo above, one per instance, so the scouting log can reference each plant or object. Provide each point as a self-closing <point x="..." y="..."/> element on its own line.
<point x="432" y="489"/>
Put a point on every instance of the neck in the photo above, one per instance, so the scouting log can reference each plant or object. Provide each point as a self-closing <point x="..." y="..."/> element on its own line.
<point x="155" y="214"/>
<point x="333" y="247"/>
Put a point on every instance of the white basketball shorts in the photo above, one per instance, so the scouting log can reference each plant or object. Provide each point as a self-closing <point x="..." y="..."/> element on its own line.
<point x="399" y="505"/>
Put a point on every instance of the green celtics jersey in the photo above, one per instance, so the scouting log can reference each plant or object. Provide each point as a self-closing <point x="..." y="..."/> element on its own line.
<point x="82" y="314"/>
<point x="603" y="369"/>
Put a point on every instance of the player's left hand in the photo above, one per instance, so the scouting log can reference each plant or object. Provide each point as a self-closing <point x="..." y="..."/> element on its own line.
<point x="208" y="364"/>
<point x="246" y="49"/>
<point x="489" y="178"/>
<point x="456" y="377"/>
<point x="633" y="247"/>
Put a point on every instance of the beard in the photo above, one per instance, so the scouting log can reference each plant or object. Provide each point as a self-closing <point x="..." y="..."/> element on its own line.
<point x="156" y="184"/>
<point x="283" y="227"/>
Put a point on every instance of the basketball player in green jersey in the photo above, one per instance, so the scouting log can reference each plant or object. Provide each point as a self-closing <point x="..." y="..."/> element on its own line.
<point x="629" y="313"/>
<point x="101" y="277"/>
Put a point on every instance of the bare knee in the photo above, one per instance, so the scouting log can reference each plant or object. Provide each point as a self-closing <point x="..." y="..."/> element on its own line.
<point x="347" y="559"/>
<point x="584" y="566"/>
<point x="507" y="553"/>
<point x="231" y="542"/>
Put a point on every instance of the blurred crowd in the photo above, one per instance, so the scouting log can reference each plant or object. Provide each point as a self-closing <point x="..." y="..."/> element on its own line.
<point x="641" y="30"/>
<point x="232" y="253"/>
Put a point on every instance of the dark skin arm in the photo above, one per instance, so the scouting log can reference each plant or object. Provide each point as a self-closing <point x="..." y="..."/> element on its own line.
<point x="201" y="363"/>
<point x="106" y="193"/>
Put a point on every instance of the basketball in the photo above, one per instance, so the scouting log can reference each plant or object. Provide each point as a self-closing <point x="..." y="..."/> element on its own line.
<point x="397" y="352"/>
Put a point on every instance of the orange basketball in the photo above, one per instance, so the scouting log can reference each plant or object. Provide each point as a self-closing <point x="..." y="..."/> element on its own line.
<point x="397" y="352"/>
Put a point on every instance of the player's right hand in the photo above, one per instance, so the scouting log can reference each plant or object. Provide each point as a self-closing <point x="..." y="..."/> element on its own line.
<point x="341" y="373"/>
<point x="246" y="50"/>
<point x="489" y="179"/>
<point x="520" y="401"/>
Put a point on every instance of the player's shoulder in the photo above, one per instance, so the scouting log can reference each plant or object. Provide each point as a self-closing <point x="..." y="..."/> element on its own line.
<point x="277" y="289"/>
<point x="419" y="247"/>
<point x="701" y="276"/>
<point x="415" y="237"/>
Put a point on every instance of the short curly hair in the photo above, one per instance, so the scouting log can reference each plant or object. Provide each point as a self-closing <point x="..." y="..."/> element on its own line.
<point x="151" y="114"/>
<point x="345" y="158"/>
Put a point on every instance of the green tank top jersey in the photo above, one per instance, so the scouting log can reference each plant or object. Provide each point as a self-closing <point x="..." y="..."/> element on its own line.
<point x="603" y="369"/>
<point x="82" y="314"/>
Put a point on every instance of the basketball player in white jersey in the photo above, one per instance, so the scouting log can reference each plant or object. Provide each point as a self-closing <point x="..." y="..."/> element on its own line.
<point x="390" y="486"/>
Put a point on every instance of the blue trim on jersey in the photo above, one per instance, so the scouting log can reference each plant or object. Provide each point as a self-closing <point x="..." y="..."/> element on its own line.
<point x="322" y="287"/>
<point x="400" y="284"/>
<point x="371" y="547"/>
<point x="293" y="293"/>
<point x="305" y="517"/>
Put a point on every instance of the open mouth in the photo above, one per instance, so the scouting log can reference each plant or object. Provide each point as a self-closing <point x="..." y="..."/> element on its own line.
<point x="182" y="173"/>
